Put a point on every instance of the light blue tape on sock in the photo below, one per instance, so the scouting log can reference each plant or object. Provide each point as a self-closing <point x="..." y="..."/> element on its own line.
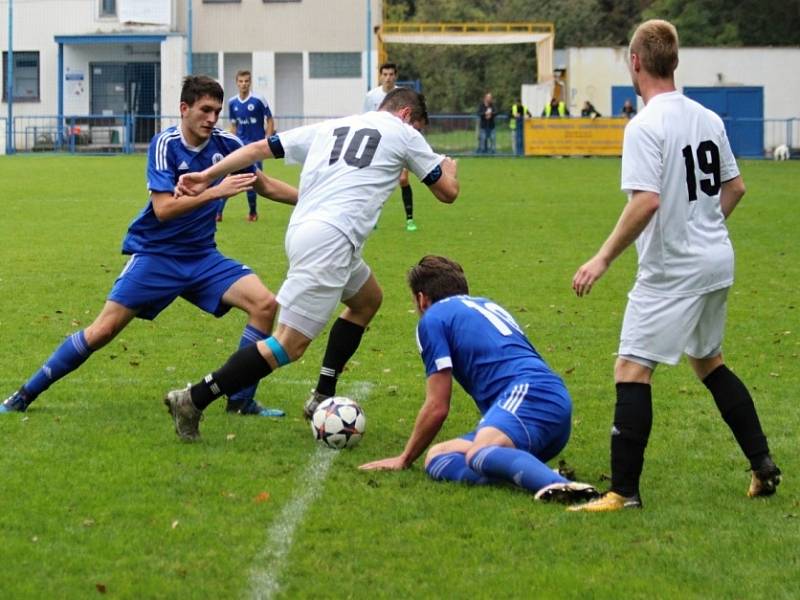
<point x="277" y="351"/>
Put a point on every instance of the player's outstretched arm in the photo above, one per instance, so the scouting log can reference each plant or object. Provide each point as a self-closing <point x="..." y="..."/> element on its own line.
<point x="194" y="183"/>
<point x="168" y="206"/>
<point x="429" y="421"/>
<point x="446" y="187"/>
<point x="275" y="189"/>
<point x="632" y="221"/>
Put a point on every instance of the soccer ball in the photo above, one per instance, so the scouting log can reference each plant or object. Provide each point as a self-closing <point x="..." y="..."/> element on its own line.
<point x="338" y="423"/>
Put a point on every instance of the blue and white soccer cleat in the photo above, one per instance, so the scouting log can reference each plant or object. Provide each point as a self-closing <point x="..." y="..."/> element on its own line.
<point x="251" y="407"/>
<point x="16" y="402"/>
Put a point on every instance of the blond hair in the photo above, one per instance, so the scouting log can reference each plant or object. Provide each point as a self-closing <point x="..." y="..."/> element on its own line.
<point x="655" y="42"/>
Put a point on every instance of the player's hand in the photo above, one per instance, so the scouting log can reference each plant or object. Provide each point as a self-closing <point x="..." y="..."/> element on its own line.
<point x="191" y="184"/>
<point x="234" y="184"/>
<point x="396" y="463"/>
<point x="588" y="274"/>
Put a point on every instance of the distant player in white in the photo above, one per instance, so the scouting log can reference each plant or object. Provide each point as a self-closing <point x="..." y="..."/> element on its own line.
<point x="387" y="77"/>
<point x="350" y="167"/>
<point x="683" y="183"/>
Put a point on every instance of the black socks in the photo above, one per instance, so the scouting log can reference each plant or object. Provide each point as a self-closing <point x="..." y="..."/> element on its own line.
<point x="633" y="419"/>
<point x="737" y="409"/>
<point x="343" y="341"/>
<point x="244" y="368"/>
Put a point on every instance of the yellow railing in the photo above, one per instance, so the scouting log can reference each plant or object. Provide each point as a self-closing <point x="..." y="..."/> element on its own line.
<point x="522" y="27"/>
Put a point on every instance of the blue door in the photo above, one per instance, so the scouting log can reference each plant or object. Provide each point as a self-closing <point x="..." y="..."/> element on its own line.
<point x="742" y="109"/>
<point x="620" y="93"/>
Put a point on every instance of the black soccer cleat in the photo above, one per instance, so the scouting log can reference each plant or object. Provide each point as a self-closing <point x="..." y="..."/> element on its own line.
<point x="312" y="403"/>
<point x="765" y="479"/>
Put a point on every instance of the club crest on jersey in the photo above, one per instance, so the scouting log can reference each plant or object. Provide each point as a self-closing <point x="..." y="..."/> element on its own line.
<point x="251" y="107"/>
<point x="216" y="158"/>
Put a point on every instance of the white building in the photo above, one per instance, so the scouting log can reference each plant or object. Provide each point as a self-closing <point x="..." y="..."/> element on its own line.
<point x="738" y="83"/>
<point x="75" y="58"/>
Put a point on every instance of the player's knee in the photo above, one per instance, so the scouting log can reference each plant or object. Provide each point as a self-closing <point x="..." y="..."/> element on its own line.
<point x="433" y="452"/>
<point x="404" y="178"/>
<point x="265" y="306"/>
<point x="100" y="333"/>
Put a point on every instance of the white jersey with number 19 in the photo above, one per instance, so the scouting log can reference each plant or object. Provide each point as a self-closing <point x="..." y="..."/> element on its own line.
<point x="351" y="166"/>
<point x="678" y="149"/>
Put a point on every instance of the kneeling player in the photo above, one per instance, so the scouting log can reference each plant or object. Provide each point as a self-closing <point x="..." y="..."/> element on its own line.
<point x="525" y="407"/>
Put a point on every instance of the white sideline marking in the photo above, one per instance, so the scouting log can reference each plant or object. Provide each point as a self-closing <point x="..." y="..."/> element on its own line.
<point x="271" y="560"/>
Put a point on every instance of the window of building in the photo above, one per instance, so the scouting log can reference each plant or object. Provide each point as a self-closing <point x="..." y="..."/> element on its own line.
<point x="205" y="63"/>
<point x="108" y="8"/>
<point x="221" y="1"/>
<point x="333" y="65"/>
<point x="26" y="76"/>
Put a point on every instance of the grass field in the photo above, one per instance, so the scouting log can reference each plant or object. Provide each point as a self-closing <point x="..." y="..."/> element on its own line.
<point x="99" y="497"/>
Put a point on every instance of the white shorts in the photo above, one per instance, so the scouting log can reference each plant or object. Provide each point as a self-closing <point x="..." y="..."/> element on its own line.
<point x="324" y="269"/>
<point x="661" y="329"/>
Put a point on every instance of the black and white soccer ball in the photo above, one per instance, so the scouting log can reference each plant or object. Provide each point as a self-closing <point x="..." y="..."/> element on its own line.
<point x="338" y="423"/>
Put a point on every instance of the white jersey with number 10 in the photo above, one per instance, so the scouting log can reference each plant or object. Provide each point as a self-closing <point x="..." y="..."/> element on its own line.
<point x="351" y="166"/>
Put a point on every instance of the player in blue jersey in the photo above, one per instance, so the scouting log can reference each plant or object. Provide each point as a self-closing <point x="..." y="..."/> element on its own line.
<point x="525" y="407"/>
<point x="251" y="120"/>
<point x="172" y="248"/>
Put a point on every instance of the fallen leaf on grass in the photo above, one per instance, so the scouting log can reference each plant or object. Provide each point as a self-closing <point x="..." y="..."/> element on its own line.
<point x="230" y="437"/>
<point x="175" y="523"/>
<point x="262" y="497"/>
<point x="101" y="587"/>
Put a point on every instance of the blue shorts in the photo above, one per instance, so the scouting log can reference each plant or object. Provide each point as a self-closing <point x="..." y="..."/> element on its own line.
<point x="536" y="416"/>
<point x="150" y="282"/>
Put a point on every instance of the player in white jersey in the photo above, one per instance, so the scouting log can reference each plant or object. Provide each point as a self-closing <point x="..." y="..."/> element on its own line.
<point x="683" y="183"/>
<point x="388" y="77"/>
<point x="350" y="167"/>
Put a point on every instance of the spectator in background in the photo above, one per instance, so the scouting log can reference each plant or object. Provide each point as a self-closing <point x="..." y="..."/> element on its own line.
<point x="516" y="124"/>
<point x="555" y="108"/>
<point x="589" y="111"/>
<point x="486" y="133"/>
<point x="628" y="109"/>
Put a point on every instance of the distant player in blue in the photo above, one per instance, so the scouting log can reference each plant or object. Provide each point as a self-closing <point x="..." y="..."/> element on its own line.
<point x="173" y="250"/>
<point x="251" y="120"/>
<point x="525" y="407"/>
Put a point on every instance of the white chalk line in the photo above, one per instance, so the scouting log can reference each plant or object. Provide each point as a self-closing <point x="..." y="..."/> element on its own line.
<point x="270" y="562"/>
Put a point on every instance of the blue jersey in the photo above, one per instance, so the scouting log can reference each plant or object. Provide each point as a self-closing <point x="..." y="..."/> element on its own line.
<point x="483" y="345"/>
<point x="170" y="157"/>
<point x="249" y="115"/>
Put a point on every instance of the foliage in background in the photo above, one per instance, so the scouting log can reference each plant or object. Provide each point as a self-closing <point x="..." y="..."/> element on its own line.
<point x="455" y="78"/>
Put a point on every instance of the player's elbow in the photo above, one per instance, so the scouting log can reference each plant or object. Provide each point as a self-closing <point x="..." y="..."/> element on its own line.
<point x="448" y="192"/>
<point x="737" y="187"/>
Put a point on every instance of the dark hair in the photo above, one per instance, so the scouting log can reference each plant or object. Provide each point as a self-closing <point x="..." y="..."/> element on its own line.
<point x="437" y="277"/>
<point x="242" y="73"/>
<point x="656" y="43"/>
<point x="400" y="98"/>
<point x="197" y="86"/>
<point x="388" y="65"/>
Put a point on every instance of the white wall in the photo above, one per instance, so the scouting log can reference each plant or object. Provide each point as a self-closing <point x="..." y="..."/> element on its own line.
<point x="592" y="71"/>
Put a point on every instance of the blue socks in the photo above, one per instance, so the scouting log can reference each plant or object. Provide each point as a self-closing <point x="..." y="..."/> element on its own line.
<point x="515" y="466"/>
<point x="250" y="335"/>
<point x="251" y="201"/>
<point x="70" y="355"/>
<point x="453" y="467"/>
